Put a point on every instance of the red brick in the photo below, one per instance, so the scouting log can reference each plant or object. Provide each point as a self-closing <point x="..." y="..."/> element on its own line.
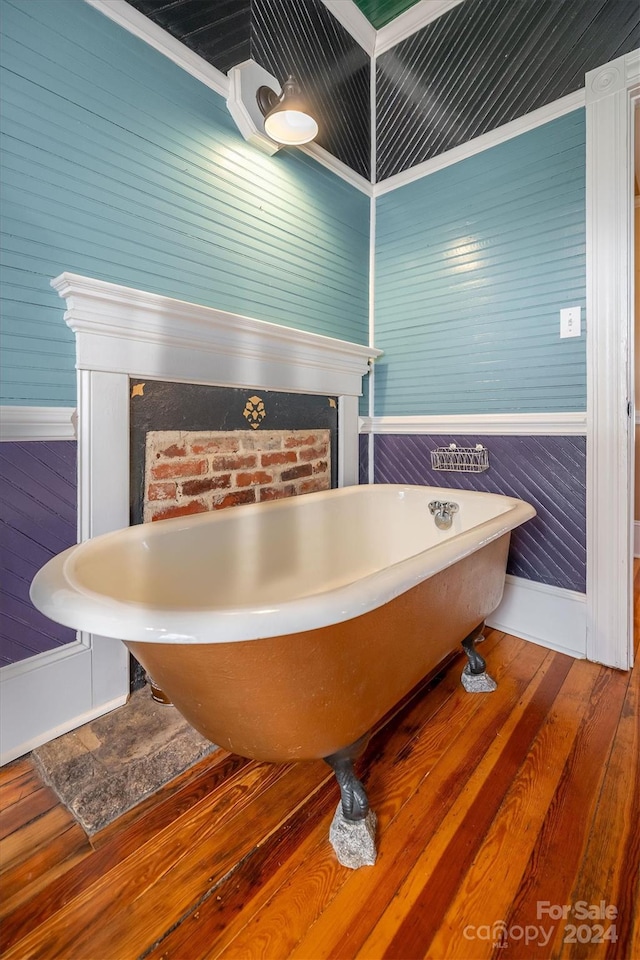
<point x="236" y="499"/>
<point x="161" y="491"/>
<point x="271" y="440"/>
<point x="277" y="493"/>
<point x="215" y="445"/>
<point x="238" y="462"/>
<point x="181" y="510"/>
<point x="313" y="453"/>
<point x="268" y="459"/>
<point x="192" y="488"/>
<point x="173" y="451"/>
<point x="178" y="468"/>
<point x="297" y="441"/>
<point x="304" y="470"/>
<point x="248" y="479"/>
<point x="314" y="486"/>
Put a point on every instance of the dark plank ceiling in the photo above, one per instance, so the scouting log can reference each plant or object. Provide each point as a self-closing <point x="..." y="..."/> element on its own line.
<point x="333" y="70"/>
<point x="478" y="66"/>
<point x="219" y="31"/>
<point x="486" y="62"/>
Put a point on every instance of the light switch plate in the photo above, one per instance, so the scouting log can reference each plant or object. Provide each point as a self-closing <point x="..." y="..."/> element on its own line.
<point x="570" y="322"/>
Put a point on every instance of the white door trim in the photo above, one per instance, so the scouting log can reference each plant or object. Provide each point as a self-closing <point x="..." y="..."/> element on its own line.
<point x="610" y="94"/>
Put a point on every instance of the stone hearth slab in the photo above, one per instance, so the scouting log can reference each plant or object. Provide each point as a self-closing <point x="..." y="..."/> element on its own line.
<point x="106" y="767"/>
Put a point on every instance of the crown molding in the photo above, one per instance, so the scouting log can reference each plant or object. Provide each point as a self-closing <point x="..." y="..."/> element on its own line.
<point x="551" y="111"/>
<point x="409" y="22"/>
<point x="354" y="21"/>
<point x="481" y="424"/>
<point x="36" y="423"/>
<point x="140" y="26"/>
<point x="336" y="166"/>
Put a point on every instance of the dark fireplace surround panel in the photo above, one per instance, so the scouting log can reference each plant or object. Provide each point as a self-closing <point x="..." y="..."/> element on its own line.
<point x="209" y="447"/>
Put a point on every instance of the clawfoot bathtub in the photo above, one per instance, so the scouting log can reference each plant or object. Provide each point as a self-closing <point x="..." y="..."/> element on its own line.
<point x="286" y="630"/>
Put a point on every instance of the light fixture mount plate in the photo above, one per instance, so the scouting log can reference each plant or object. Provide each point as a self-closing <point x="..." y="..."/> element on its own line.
<point x="245" y="80"/>
<point x="267" y="99"/>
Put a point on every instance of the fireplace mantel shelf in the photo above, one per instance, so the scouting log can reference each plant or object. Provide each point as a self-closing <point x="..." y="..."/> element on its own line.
<point x="123" y="330"/>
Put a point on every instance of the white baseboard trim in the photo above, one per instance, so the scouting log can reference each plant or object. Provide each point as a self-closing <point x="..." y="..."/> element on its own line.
<point x="636" y="539"/>
<point x="36" y="423"/>
<point x="51" y="693"/>
<point x="20" y="749"/>
<point x="496" y="424"/>
<point x="550" y="616"/>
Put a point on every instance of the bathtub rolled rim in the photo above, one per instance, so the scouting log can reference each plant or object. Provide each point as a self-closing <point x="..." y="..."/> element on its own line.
<point x="55" y="593"/>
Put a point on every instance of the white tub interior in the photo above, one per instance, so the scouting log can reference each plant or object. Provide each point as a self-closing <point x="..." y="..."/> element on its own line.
<point x="273" y="553"/>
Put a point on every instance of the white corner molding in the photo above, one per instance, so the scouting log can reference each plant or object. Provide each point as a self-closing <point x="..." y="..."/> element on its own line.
<point x="507" y="131"/>
<point x="636" y="539"/>
<point x="409" y="22"/>
<point x="489" y="424"/>
<point x="354" y="21"/>
<point x="37" y="423"/>
<point x="322" y="156"/>
<point x="612" y="93"/>
<point x="375" y="41"/>
<point x="550" y="616"/>
<point x="142" y="27"/>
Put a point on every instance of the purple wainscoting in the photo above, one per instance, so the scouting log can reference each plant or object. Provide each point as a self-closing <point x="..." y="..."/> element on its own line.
<point x="548" y="472"/>
<point x="37" y="520"/>
<point x="363" y="451"/>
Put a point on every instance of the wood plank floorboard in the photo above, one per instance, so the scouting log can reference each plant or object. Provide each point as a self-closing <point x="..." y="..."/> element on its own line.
<point x="496" y="812"/>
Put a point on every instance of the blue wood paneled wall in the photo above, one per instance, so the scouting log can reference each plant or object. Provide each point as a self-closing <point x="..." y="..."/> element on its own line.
<point x="473" y="264"/>
<point x="118" y="165"/>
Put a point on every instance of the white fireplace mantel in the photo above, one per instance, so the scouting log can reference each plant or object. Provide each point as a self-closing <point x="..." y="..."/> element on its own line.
<point x="123" y="332"/>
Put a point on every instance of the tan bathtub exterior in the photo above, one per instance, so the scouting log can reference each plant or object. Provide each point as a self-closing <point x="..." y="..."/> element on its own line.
<point x="306" y="695"/>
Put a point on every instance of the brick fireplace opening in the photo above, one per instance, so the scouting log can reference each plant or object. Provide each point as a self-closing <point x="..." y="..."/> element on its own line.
<point x="188" y="472"/>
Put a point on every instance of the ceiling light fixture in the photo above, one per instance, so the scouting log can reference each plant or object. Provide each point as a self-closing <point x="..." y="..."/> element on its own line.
<point x="287" y="119"/>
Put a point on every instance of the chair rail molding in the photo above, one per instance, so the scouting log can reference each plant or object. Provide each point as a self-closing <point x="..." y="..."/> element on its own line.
<point x="612" y="92"/>
<point x="19" y="423"/>
<point x="495" y="424"/>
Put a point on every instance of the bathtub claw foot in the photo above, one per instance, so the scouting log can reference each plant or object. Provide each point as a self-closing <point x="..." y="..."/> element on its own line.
<point x="475" y="678"/>
<point x="355" y="804"/>
<point x="354" y="841"/>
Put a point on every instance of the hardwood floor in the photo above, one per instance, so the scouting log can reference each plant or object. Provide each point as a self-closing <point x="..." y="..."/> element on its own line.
<point x="497" y="813"/>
